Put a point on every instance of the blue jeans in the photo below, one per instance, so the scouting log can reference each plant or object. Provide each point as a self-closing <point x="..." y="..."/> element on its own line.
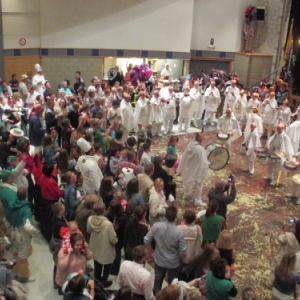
<point x="160" y="274"/>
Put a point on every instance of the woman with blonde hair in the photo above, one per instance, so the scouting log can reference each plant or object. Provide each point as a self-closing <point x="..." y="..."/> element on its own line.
<point x="284" y="285"/>
<point x="224" y="244"/>
<point x="170" y="292"/>
<point x="157" y="202"/>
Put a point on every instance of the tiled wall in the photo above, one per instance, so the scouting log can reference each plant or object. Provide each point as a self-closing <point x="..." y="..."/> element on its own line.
<point x="58" y="68"/>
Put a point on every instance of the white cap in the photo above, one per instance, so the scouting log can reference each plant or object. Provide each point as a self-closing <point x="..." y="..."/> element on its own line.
<point x="38" y="68"/>
<point x="91" y="89"/>
<point x="84" y="145"/>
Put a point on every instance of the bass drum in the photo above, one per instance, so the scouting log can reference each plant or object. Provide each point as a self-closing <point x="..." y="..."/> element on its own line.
<point x="217" y="155"/>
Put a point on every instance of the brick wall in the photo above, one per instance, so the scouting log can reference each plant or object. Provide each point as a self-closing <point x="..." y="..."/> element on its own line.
<point x="58" y="68"/>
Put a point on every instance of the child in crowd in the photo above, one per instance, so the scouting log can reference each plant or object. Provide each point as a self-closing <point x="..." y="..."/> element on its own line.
<point x="50" y="150"/>
<point x="141" y="134"/>
<point x="149" y="134"/>
<point x="146" y="157"/>
<point x="66" y="232"/>
<point x="119" y="197"/>
<point x="172" y="155"/>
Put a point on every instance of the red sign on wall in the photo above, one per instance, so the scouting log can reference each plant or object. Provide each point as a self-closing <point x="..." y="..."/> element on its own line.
<point x="22" y="41"/>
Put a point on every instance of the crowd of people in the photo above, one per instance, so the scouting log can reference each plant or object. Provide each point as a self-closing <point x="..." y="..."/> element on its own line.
<point x="79" y="160"/>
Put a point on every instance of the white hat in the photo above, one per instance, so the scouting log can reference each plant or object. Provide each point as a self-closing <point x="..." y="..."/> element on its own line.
<point x="17" y="132"/>
<point x="24" y="76"/>
<point x="38" y="68"/>
<point x="84" y="145"/>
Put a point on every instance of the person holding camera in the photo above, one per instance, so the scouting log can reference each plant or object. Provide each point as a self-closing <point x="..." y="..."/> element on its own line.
<point x="289" y="240"/>
<point x="223" y="193"/>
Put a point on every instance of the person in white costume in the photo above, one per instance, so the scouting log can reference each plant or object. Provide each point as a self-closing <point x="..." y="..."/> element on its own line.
<point x="269" y="110"/>
<point x="185" y="106"/>
<point x="88" y="167"/>
<point x="212" y="101"/>
<point x="256" y="118"/>
<point x="251" y="142"/>
<point x="253" y="103"/>
<point x="240" y="107"/>
<point x="158" y="113"/>
<point x="228" y="124"/>
<point x="232" y="93"/>
<point x="293" y="131"/>
<point x="169" y="100"/>
<point x="198" y="105"/>
<point x="193" y="168"/>
<point x="166" y="73"/>
<point x="295" y="187"/>
<point x="283" y="114"/>
<point x="143" y="110"/>
<point x="278" y="141"/>
<point x="126" y="116"/>
<point x="38" y="80"/>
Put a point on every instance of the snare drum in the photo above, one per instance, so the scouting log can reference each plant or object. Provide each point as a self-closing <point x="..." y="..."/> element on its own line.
<point x="262" y="155"/>
<point x="223" y="136"/>
<point x="260" y="150"/>
<point x="290" y="165"/>
<point x="217" y="155"/>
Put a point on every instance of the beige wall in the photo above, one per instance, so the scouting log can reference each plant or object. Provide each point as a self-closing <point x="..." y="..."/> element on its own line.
<point x="58" y="68"/>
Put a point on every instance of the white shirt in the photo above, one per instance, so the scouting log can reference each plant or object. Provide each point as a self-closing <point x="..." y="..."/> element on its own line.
<point x="137" y="278"/>
<point x="166" y="72"/>
<point x="38" y="82"/>
<point x="145" y="159"/>
<point x="31" y="98"/>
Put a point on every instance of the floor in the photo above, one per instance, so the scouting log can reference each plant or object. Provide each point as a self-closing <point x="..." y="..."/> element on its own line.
<point x="254" y="219"/>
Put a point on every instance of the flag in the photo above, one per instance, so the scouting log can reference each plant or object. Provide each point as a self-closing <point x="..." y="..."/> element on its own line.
<point x="287" y="62"/>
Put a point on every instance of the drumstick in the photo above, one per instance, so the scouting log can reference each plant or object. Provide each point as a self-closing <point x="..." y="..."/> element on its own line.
<point x="278" y="177"/>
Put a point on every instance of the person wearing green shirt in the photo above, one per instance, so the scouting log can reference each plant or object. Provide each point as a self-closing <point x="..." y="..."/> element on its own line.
<point x="211" y="224"/>
<point x="102" y="135"/>
<point x="218" y="283"/>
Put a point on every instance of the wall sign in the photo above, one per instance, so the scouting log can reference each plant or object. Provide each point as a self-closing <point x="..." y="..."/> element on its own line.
<point x="22" y="41"/>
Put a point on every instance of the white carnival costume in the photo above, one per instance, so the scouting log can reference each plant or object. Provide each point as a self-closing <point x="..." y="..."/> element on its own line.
<point x="198" y="105"/>
<point x="212" y="101"/>
<point x="185" y="106"/>
<point x="38" y="80"/>
<point x="158" y="115"/>
<point x="293" y="132"/>
<point x="231" y="96"/>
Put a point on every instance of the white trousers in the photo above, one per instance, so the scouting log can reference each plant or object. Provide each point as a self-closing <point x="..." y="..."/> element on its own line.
<point x="250" y="163"/>
<point x="273" y="170"/>
<point x="125" y="134"/>
<point x="169" y="117"/>
<point x="188" y="187"/>
<point x="226" y="144"/>
<point x="209" y="116"/>
<point x="156" y="128"/>
<point x="186" y="123"/>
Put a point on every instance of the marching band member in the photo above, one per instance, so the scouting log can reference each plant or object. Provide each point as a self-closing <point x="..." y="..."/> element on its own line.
<point x="253" y="102"/>
<point x="293" y="131"/>
<point x="143" y="110"/>
<point x="212" y="101"/>
<point x="88" y="167"/>
<point x="251" y="142"/>
<point x="283" y="114"/>
<point x="166" y="73"/>
<point x="295" y="187"/>
<point x="240" y="107"/>
<point x="278" y="141"/>
<point x="127" y="116"/>
<point x="269" y="110"/>
<point x="256" y="118"/>
<point x="194" y="169"/>
<point x="198" y="104"/>
<point x="185" y="106"/>
<point x="231" y="94"/>
<point x="228" y="124"/>
<point x="38" y="80"/>
<point x="158" y="113"/>
<point x="169" y="100"/>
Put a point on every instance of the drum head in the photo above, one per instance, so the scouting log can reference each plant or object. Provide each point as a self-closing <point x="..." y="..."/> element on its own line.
<point x="218" y="157"/>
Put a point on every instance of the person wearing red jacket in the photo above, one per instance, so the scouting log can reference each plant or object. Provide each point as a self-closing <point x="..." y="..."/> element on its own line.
<point x="50" y="194"/>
